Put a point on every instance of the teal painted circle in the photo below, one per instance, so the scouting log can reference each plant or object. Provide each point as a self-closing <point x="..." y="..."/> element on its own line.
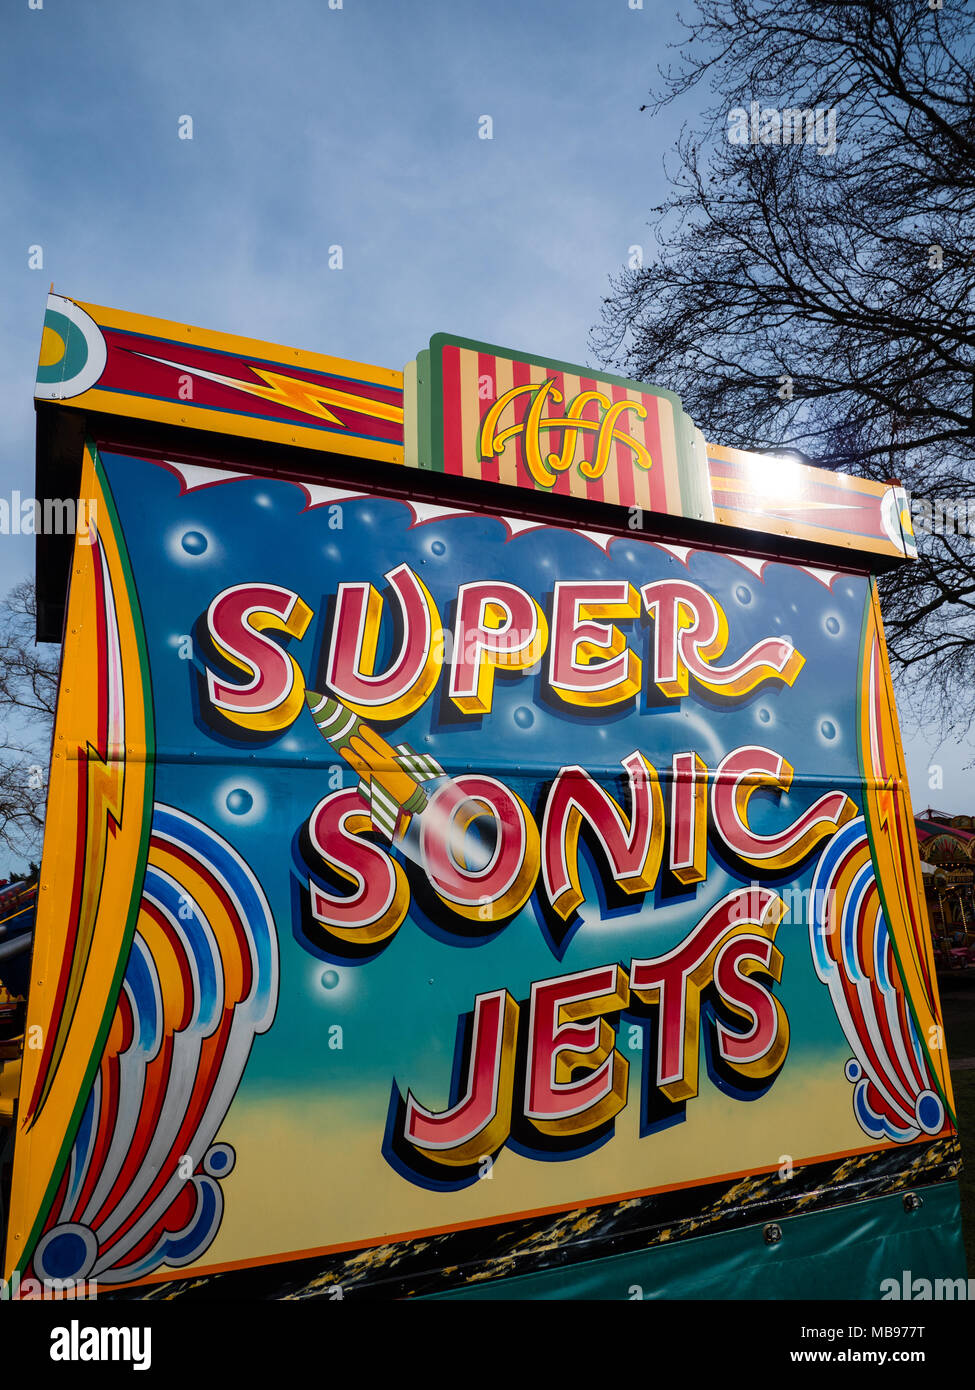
<point x="83" y="351"/>
<point x="75" y="350"/>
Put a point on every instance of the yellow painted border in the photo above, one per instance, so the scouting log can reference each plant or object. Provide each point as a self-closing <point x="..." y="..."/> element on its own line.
<point x="238" y="424"/>
<point x="800" y="530"/>
<point x="110" y="881"/>
<point x="891" y="819"/>
<point x="224" y="422"/>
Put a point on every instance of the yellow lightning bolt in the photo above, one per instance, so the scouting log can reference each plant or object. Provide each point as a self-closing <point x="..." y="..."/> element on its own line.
<point x="887" y="804"/>
<point x="292" y="392"/>
<point x="295" y="394"/>
<point x="104" y="814"/>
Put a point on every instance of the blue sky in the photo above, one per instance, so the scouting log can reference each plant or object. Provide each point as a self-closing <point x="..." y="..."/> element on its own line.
<point x="313" y="127"/>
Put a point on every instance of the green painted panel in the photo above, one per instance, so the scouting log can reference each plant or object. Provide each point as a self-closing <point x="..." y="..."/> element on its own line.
<point x="847" y="1252"/>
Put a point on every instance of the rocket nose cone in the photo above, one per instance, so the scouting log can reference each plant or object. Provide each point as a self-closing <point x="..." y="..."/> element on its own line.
<point x="331" y="717"/>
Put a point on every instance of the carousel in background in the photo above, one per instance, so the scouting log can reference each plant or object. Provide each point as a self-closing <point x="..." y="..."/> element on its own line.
<point x="947" y="848"/>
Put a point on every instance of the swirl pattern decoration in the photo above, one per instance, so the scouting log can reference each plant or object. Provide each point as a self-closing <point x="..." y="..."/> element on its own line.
<point x="143" y="1185"/>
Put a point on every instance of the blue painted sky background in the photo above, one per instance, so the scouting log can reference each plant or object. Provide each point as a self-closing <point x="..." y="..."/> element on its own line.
<point x="314" y="127"/>
<point x="525" y="736"/>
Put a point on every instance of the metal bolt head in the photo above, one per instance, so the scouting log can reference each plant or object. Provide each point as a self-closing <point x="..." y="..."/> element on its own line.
<point x="772" y="1233"/>
<point x="912" y="1202"/>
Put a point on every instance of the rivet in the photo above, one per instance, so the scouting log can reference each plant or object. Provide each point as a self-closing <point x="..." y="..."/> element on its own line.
<point x="772" y="1233"/>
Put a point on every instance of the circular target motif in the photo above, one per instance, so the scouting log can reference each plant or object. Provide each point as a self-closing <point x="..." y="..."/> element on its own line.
<point x="73" y="351"/>
<point x="930" y="1112"/>
<point x="67" y="1252"/>
<point x="219" y="1161"/>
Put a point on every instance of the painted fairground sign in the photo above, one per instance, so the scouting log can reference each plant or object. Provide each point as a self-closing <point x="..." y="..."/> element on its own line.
<point x="429" y="889"/>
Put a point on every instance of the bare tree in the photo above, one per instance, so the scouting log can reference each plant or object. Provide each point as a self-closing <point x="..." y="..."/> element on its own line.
<point x="811" y="283"/>
<point x="28" y="693"/>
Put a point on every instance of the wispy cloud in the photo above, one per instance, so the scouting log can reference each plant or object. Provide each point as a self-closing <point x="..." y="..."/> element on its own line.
<point x="314" y="127"/>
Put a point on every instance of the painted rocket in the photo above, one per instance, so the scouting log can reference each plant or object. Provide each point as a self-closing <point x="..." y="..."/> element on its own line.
<point x="390" y="779"/>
